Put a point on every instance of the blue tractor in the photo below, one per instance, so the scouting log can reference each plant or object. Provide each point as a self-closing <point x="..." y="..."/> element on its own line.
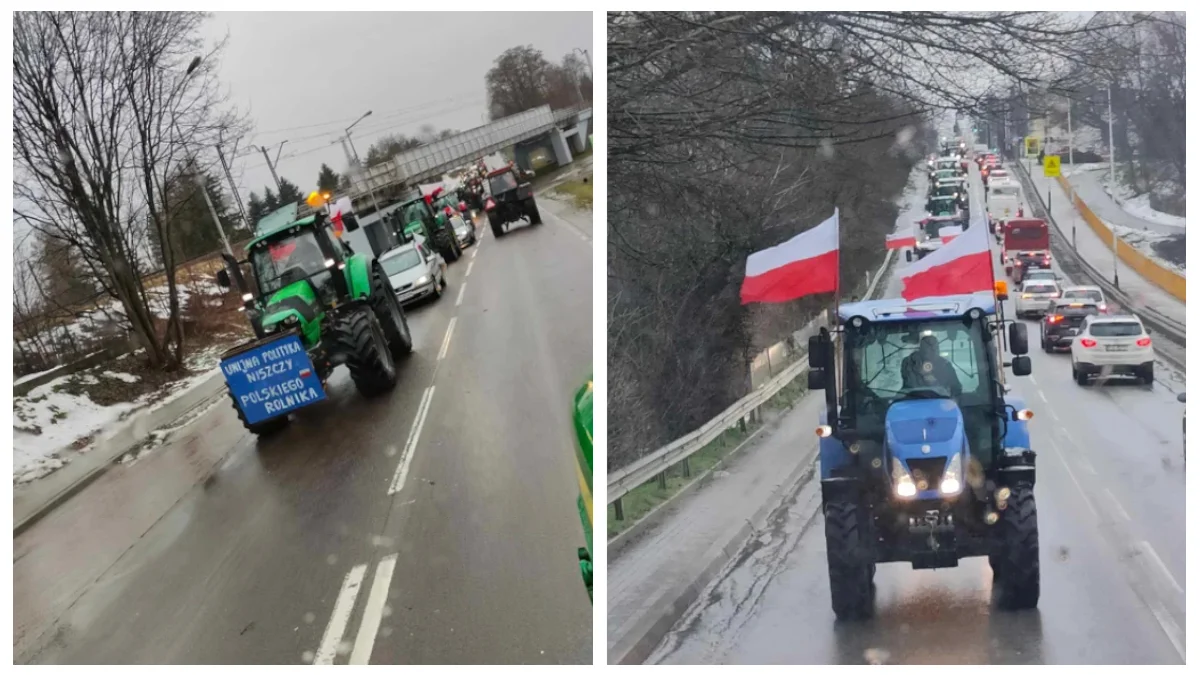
<point x="924" y="451"/>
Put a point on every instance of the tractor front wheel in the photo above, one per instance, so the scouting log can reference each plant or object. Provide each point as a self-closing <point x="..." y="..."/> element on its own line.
<point x="1015" y="565"/>
<point x="851" y="561"/>
<point x="360" y="337"/>
<point x="391" y="316"/>
<point x="263" y="428"/>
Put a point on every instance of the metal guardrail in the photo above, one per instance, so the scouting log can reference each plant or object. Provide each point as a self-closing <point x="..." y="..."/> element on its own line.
<point x="644" y="469"/>
<point x="1075" y="265"/>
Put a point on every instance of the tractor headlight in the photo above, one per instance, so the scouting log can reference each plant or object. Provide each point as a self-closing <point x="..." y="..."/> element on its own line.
<point x="952" y="478"/>
<point x="247" y="297"/>
<point x="905" y="487"/>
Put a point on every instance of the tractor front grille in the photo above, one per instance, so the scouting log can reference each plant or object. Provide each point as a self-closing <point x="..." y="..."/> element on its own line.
<point x="927" y="469"/>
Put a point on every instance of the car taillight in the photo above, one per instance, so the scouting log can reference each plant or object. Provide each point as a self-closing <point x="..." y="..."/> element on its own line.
<point x="1144" y="342"/>
<point x="1055" y="319"/>
<point x="1102" y="307"/>
<point x="1087" y="343"/>
<point x="1018" y="263"/>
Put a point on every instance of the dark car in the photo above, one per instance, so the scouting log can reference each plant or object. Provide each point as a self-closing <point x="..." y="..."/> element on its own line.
<point x="1061" y="324"/>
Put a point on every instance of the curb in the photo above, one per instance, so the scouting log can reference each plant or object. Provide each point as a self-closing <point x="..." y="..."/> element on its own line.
<point x="111" y="447"/>
<point x="637" y="647"/>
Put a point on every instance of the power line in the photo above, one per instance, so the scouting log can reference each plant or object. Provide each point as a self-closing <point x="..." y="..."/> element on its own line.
<point x="387" y="115"/>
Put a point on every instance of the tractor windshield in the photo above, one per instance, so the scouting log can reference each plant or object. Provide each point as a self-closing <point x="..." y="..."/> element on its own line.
<point x="887" y="362"/>
<point x="416" y="211"/>
<point x="282" y="262"/>
<point x="502" y="182"/>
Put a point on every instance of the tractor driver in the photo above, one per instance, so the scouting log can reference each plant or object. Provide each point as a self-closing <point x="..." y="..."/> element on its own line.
<point x="926" y="368"/>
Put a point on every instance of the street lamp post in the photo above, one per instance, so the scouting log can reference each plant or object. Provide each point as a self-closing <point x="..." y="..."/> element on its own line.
<point x="1112" y="183"/>
<point x="358" y="162"/>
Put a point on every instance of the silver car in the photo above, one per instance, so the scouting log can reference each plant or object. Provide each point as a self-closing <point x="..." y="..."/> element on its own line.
<point x="464" y="231"/>
<point x="415" y="271"/>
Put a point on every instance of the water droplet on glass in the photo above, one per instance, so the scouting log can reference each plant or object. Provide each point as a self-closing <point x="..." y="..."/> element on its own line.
<point x="307" y="656"/>
<point x="309" y="617"/>
<point x="344" y="647"/>
<point x="331" y="559"/>
<point x="385" y="631"/>
<point x="387" y="610"/>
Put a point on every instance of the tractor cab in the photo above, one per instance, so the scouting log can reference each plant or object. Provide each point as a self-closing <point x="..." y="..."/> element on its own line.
<point x="922" y="445"/>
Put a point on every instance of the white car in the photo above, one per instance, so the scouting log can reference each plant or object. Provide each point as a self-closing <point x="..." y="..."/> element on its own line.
<point x="1110" y="345"/>
<point x="1086" y="294"/>
<point x="1036" y="296"/>
<point x="415" y="271"/>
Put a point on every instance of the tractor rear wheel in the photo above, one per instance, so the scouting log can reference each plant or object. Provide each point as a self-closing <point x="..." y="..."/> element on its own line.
<point x="263" y="428"/>
<point x="535" y="217"/>
<point x="851" y="562"/>
<point x="497" y="225"/>
<point x="360" y="337"/>
<point x="391" y="316"/>
<point x="1017" y="572"/>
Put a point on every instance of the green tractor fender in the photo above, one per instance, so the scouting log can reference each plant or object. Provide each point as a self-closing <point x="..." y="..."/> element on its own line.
<point x="295" y="300"/>
<point x="582" y="423"/>
<point x="358" y="276"/>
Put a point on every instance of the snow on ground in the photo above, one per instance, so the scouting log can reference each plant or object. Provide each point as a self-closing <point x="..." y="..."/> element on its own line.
<point x="46" y="423"/>
<point x="124" y="377"/>
<point x="1139" y="206"/>
<point x="30" y="376"/>
<point x="1143" y="241"/>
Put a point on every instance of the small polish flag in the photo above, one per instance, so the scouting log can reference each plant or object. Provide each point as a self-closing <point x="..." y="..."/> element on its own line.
<point x="962" y="266"/>
<point x="803" y="265"/>
<point x="306" y="372"/>
<point x="490" y="205"/>
<point x="901" y="241"/>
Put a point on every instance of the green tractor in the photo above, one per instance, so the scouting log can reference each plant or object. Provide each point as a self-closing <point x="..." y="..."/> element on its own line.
<point x="417" y="216"/>
<point x="582" y="418"/>
<point x="314" y="304"/>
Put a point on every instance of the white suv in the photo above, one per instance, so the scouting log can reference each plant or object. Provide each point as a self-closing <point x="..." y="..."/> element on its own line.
<point x="1112" y="345"/>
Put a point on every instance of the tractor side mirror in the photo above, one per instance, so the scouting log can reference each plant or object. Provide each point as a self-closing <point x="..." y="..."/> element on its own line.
<point x="223" y="279"/>
<point x="818" y="352"/>
<point x="350" y="221"/>
<point x="908" y="255"/>
<point x="816" y="379"/>
<point x="1022" y="366"/>
<point x="1018" y="341"/>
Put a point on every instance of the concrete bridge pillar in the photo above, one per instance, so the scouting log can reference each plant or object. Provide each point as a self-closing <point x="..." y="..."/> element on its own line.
<point x="558" y="141"/>
<point x="579" y="140"/>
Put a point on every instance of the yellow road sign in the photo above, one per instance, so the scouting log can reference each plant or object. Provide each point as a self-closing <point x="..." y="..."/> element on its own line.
<point x="1031" y="145"/>
<point x="1050" y="166"/>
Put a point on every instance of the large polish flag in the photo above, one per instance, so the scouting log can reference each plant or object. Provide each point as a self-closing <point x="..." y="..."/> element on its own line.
<point x="803" y="265"/>
<point x="964" y="265"/>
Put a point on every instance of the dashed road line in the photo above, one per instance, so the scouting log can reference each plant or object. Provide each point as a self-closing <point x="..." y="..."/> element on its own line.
<point x="1078" y="486"/>
<point x="342" y="609"/>
<point x="1112" y="499"/>
<point x="410" y="446"/>
<point x="461" y="289"/>
<point x="1039" y="391"/>
<point x="446" y="340"/>
<point x="469" y="266"/>
<point x="364" y="643"/>
<point x="1153" y="555"/>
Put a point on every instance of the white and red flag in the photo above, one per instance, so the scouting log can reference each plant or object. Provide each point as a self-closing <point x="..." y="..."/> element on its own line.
<point x="803" y="265"/>
<point x="961" y="266"/>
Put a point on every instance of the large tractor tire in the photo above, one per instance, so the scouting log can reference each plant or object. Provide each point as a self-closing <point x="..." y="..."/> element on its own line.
<point x="851" y="562"/>
<point x="444" y="243"/>
<point x="1016" y="568"/>
<point x="264" y="428"/>
<point x="535" y="217"/>
<point x="361" y="338"/>
<point x="497" y="225"/>
<point x="390" y="315"/>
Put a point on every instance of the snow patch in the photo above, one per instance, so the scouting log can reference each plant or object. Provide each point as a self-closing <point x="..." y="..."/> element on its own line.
<point x="124" y="377"/>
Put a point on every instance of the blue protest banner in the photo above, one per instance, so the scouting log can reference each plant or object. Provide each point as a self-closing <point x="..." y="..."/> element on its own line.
<point x="272" y="379"/>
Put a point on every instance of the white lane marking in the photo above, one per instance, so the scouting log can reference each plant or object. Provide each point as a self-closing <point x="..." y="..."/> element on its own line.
<point x="1043" y="397"/>
<point x="1082" y="492"/>
<point x="373" y="614"/>
<point x="469" y="266"/>
<point x="1112" y="499"/>
<point x="1168" y="625"/>
<point x="1031" y="379"/>
<point x="410" y="446"/>
<point x="340" y="617"/>
<point x="446" y="340"/>
<point x="475" y="252"/>
<point x="1052" y="413"/>
<point x="1149" y="550"/>
<point x="461" y="289"/>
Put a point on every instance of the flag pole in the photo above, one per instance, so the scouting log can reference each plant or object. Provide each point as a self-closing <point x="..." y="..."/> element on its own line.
<point x="837" y="284"/>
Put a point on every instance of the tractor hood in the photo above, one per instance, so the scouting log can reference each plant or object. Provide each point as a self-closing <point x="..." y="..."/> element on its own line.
<point x="925" y="438"/>
<point x="294" y="300"/>
<point x="924" y="429"/>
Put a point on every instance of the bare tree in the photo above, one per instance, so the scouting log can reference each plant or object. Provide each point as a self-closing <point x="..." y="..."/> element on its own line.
<point x="107" y="107"/>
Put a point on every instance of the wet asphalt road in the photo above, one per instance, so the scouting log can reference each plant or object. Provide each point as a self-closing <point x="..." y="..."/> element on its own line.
<point x="291" y="549"/>
<point x="1110" y="497"/>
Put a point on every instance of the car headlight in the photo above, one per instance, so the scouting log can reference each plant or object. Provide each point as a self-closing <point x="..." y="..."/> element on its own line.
<point x="422" y="280"/>
<point x="952" y="478"/>
<point x="905" y="487"/>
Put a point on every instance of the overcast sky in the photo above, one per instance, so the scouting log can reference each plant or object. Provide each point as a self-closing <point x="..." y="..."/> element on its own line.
<point x="304" y="76"/>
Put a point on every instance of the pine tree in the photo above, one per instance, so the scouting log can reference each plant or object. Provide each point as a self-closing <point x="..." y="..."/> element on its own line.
<point x="270" y="200"/>
<point x="327" y="179"/>
<point x="288" y="192"/>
